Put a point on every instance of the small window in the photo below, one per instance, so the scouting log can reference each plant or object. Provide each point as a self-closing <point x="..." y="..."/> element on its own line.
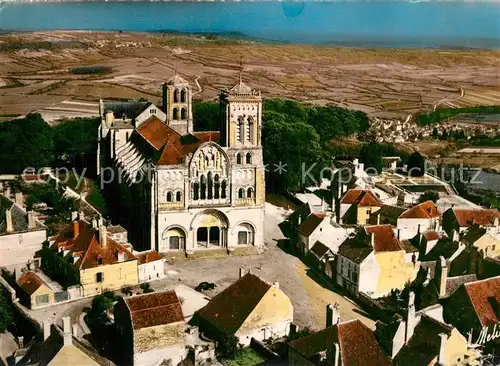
<point x="99" y="261"/>
<point x="169" y="196"/>
<point x="249" y="158"/>
<point x="152" y="111"/>
<point x="239" y="159"/>
<point x="178" y="197"/>
<point x="241" y="193"/>
<point x="249" y="193"/>
<point x="99" y="277"/>
<point x="42" y="299"/>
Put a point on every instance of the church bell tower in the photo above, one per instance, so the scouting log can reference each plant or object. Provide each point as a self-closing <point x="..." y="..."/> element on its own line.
<point x="177" y="104"/>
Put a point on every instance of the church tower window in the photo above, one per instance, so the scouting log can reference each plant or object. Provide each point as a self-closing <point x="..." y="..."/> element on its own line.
<point x="176" y="96"/>
<point x="178" y="196"/>
<point x="239" y="159"/>
<point x="250" y="192"/>
<point x="169" y="196"/>
<point x="240" y="131"/>
<point x="241" y="193"/>
<point x="183" y="113"/>
<point x="183" y="96"/>
<point x="248" y="158"/>
<point x="175" y="114"/>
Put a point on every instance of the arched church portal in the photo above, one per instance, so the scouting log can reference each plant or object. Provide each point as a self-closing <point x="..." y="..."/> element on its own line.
<point x="210" y="229"/>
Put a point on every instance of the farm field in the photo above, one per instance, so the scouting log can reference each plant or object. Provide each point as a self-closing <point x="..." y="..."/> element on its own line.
<point x="36" y="72"/>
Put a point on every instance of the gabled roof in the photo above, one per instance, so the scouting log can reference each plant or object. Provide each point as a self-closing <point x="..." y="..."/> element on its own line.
<point x="385" y="240"/>
<point x="228" y="310"/>
<point x="431" y="235"/>
<point x="320" y="249"/>
<point x="424" y="210"/>
<point x="240" y="88"/>
<point x="19" y="217"/>
<point x="453" y="283"/>
<point x="311" y="223"/>
<point x="355" y="250"/>
<point x="148" y="257"/>
<point x="358" y="345"/>
<point x="30" y="282"/>
<point x="158" y="308"/>
<point x="361" y="198"/>
<point x="473" y="234"/>
<point x="468" y="217"/>
<point x="388" y="214"/>
<point x="483" y="295"/>
<point x="128" y="109"/>
<point x="88" y="250"/>
<point x="423" y="347"/>
<point x="407" y="246"/>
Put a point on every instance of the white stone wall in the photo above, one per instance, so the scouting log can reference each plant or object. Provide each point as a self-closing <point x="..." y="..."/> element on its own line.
<point x="18" y="248"/>
<point x="156" y="356"/>
<point x="276" y="330"/>
<point x="369" y="273"/>
<point x="408" y="228"/>
<point x="152" y="110"/>
<point x="151" y="271"/>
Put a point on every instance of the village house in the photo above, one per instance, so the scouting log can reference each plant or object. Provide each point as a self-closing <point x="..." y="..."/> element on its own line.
<point x="102" y="263"/>
<point x="475" y="307"/>
<point x="151" y="328"/>
<point x="249" y="308"/>
<point x="35" y="292"/>
<point x="422" y="338"/>
<point x="339" y="344"/>
<point x="457" y="220"/>
<point x="387" y="215"/>
<point x="150" y="265"/>
<point x="426" y="241"/>
<point x="321" y="227"/>
<point x="485" y="243"/>
<point x="21" y="234"/>
<point x="59" y="347"/>
<point x="373" y="262"/>
<point x="418" y="219"/>
<point x="324" y="259"/>
<point x="356" y="207"/>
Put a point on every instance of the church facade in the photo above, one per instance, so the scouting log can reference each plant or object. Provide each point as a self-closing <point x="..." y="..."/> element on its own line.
<point x="178" y="190"/>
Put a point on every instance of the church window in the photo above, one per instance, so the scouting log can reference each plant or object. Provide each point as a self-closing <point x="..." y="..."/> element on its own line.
<point x="169" y="196"/>
<point x="175" y="114"/>
<point x="249" y="135"/>
<point x="176" y="96"/>
<point x="203" y="187"/>
<point x="196" y="191"/>
<point x="240" y="131"/>
<point x="183" y="113"/>
<point x="216" y="186"/>
<point x="241" y="193"/>
<point x="250" y="193"/>
<point x="178" y="196"/>
<point x="248" y="158"/>
<point x="174" y="242"/>
<point x="210" y="185"/>
<point x="223" y="189"/>
<point x="183" y="96"/>
<point x="239" y="159"/>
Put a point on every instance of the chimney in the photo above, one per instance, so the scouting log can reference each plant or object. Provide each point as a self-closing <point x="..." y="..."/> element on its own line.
<point x="68" y="335"/>
<point x="20" y="341"/>
<point x="242" y="271"/>
<point x="18" y="198"/>
<point x="103" y="236"/>
<point x="46" y="330"/>
<point x="441" y="276"/>
<point x="372" y="239"/>
<point x="109" y="117"/>
<point x="31" y="220"/>
<point x="74" y="215"/>
<point x="76" y="229"/>
<point x="322" y="205"/>
<point x="8" y="219"/>
<point x="442" y="349"/>
<point x="332" y="315"/>
<point x="378" y="218"/>
<point x="410" y="317"/>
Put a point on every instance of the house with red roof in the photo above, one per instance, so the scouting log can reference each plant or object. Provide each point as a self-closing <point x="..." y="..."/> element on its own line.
<point x="419" y="219"/>
<point x="35" y="292"/>
<point x="356" y="206"/>
<point x="457" y="220"/>
<point x="374" y="262"/>
<point x="151" y="329"/>
<point x="181" y="191"/>
<point x="475" y="307"/>
<point x="102" y="263"/>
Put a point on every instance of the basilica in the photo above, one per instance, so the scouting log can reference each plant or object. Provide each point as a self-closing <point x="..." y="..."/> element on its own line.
<point x="178" y="190"/>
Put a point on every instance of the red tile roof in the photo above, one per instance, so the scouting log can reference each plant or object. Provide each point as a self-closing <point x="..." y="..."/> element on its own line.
<point x="311" y="223"/>
<point x="86" y="246"/>
<point x="155" y="132"/>
<point x="482" y="217"/>
<point x="424" y="210"/>
<point x="148" y="257"/>
<point x="482" y="294"/>
<point x="228" y="310"/>
<point x="158" y="308"/>
<point x="361" y="198"/>
<point x="30" y="282"/>
<point x="358" y="345"/>
<point x="432" y="235"/>
<point x="206" y="136"/>
<point x="385" y="240"/>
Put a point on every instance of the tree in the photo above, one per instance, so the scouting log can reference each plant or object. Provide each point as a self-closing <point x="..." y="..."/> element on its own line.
<point x="429" y="196"/>
<point x="146" y="288"/>
<point x="6" y="310"/>
<point x="371" y="156"/>
<point x="416" y="165"/>
<point x="227" y="346"/>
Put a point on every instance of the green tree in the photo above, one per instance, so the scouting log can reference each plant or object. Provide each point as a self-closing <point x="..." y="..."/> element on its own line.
<point x="371" y="156"/>
<point x="416" y="164"/>
<point x="227" y="346"/>
<point x="6" y="310"/>
<point x="429" y="196"/>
